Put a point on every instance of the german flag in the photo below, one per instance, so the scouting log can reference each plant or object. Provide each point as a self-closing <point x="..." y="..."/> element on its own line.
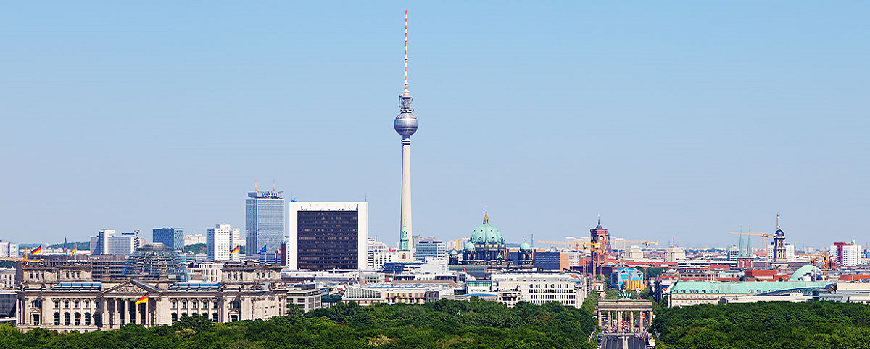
<point x="73" y="253"/>
<point x="37" y="251"/>
<point x="235" y="250"/>
<point x="144" y="299"/>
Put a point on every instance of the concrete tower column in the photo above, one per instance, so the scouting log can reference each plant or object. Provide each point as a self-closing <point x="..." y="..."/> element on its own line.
<point x="407" y="240"/>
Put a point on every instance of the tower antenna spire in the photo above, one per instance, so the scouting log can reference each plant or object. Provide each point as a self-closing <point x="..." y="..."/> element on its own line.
<point x="406" y="92"/>
<point x="256" y="185"/>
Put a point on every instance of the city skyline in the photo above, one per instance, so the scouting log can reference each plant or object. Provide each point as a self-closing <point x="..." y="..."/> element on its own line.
<point x="670" y="121"/>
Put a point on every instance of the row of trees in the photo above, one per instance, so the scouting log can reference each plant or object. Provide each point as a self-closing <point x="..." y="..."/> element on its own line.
<point x="765" y="325"/>
<point x="442" y="324"/>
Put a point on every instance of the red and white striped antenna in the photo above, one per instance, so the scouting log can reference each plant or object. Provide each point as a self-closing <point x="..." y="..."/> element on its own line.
<point x="406" y="53"/>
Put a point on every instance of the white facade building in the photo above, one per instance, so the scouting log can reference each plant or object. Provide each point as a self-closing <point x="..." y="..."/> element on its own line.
<point x="377" y="254"/>
<point x="220" y="241"/>
<point x="194" y="239"/>
<point x="8" y="249"/>
<point x="851" y="254"/>
<point x="568" y="289"/>
<point x="123" y="244"/>
<point x="789" y="252"/>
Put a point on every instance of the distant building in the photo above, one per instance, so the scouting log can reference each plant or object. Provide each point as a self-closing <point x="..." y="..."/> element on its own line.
<point x="395" y="293"/>
<point x="123" y="244"/>
<point x="378" y="254"/>
<point x="600" y="237"/>
<point x="194" y="239"/>
<point x="538" y="288"/>
<point x="7" y="278"/>
<point x="550" y="260"/>
<point x="430" y="247"/>
<point x="846" y="254"/>
<point x="8" y="249"/>
<point x="221" y="241"/>
<point x="169" y="237"/>
<point x="100" y="243"/>
<point x="264" y="224"/>
<point x="327" y="235"/>
<point x="627" y="279"/>
<point x="486" y="246"/>
<point x="684" y="293"/>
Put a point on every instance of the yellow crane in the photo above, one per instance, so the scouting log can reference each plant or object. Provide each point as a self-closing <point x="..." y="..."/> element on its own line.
<point x="646" y="243"/>
<point x="766" y="243"/>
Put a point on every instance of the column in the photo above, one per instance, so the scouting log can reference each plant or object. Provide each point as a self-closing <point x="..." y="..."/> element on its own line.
<point x="619" y="320"/>
<point x="632" y="321"/>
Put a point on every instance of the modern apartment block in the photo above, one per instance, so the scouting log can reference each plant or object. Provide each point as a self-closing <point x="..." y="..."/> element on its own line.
<point x="327" y="235"/>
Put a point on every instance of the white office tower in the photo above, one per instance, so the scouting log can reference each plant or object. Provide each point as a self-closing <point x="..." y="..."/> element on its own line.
<point x="221" y="243"/>
<point x="327" y="235"/>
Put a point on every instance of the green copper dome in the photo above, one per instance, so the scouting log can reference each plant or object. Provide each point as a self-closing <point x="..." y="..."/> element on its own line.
<point x="469" y="246"/>
<point x="525" y="246"/>
<point x="486" y="233"/>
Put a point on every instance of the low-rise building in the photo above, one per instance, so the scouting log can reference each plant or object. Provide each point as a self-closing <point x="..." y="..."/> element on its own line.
<point x="393" y="293"/>
<point x="539" y="288"/>
<point x="685" y="293"/>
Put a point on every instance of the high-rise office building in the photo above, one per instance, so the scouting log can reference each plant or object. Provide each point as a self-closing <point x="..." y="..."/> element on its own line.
<point x="405" y="125"/>
<point x="169" y="237"/>
<point x="123" y="244"/>
<point x="327" y="235"/>
<point x="264" y="224"/>
<point x="222" y="239"/>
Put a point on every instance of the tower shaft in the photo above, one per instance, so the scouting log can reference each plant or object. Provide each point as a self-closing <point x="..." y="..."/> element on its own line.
<point x="406" y="242"/>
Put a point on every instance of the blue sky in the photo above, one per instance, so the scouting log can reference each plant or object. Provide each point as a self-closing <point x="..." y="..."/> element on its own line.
<point x="676" y="120"/>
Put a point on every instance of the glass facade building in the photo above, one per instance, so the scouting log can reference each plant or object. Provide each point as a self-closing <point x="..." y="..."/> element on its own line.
<point x="430" y="247"/>
<point x="264" y="225"/>
<point x="169" y="237"/>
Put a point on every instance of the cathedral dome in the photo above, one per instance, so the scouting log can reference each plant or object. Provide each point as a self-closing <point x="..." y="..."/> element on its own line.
<point x="486" y="234"/>
<point x="469" y="246"/>
<point x="525" y="246"/>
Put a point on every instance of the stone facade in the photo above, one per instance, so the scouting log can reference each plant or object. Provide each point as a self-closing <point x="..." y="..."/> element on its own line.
<point x="65" y="298"/>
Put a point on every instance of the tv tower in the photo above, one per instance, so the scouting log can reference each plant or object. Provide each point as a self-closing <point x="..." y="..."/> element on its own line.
<point x="406" y="124"/>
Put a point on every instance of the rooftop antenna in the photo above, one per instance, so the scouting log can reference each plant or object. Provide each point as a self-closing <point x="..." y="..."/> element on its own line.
<point x="273" y="185"/>
<point x="777" y="221"/>
<point x="406" y="92"/>
<point x="255" y="185"/>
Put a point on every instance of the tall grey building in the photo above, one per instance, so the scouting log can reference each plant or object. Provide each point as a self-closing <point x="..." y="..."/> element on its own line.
<point x="169" y="237"/>
<point x="264" y="224"/>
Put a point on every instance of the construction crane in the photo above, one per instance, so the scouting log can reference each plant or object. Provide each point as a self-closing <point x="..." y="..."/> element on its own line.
<point x="827" y="261"/>
<point x="646" y="243"/>
<point x="766" y="243"/>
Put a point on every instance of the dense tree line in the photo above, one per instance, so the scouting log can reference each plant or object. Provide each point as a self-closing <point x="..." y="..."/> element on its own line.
<point x="768" y="325"/>
<point x="442" y="324"/>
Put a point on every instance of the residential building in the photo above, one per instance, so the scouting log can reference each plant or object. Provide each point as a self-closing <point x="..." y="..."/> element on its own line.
<point x="378" y="254"/>
<point x="327" y="235"/>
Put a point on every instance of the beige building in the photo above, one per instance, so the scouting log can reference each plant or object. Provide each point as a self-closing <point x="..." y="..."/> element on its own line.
<point x="64" y="297"/>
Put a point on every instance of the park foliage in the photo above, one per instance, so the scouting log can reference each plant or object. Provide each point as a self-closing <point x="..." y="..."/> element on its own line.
<point x="768" y="325"/>
<point x="441" y="324"/>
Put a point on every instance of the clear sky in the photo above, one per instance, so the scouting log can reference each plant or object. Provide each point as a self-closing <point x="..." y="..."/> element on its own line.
<point x="672" y="119"/>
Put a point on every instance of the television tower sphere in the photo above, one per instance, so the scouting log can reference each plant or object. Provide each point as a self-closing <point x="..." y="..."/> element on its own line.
<point x="405" y="123"/>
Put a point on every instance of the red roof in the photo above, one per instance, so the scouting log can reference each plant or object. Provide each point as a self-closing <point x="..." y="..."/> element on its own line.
<point x="854" y="277"/>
